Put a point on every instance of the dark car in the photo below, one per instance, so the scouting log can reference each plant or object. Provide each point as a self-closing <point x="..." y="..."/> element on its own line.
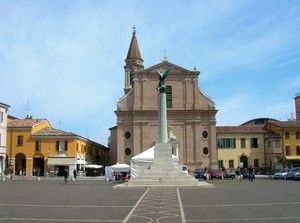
<point x="216" y="174"/>
<point x="245" y="173"/>
<point x="297" y="176"/>
<point x="290" y="175"/>
<point x="200" y="174"/>
<point x="230" y="174"/>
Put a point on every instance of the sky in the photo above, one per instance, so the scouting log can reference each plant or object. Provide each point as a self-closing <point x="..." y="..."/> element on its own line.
<point x="64" y="60"/>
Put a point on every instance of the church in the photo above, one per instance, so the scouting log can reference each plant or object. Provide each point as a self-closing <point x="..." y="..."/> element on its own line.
<point x="191" y="114"/>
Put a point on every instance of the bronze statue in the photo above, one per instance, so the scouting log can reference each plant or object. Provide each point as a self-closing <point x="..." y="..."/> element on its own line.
<point x="162" y="76"/>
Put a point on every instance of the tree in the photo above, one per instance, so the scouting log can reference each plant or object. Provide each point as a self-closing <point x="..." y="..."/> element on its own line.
<point x="282" y="159"/>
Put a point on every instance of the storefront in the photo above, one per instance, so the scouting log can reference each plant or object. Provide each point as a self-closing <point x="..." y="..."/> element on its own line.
<point x="294" y="161"/>
<point x="58" y="164"/>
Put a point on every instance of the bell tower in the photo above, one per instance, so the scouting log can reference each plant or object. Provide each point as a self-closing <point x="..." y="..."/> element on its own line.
<point x="133" y="62"/>
<point x="297" y="106"/>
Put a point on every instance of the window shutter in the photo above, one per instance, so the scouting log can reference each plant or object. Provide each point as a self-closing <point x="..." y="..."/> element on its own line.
<point x="57" y="145"/>
<point x="37" y="145"/>
<point x="66" y="145"/>
<point x="20" y="140"/>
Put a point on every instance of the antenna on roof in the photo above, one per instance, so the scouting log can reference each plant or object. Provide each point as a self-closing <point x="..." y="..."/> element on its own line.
<point x="27" y="111"/>
<point x="59" y="124"/>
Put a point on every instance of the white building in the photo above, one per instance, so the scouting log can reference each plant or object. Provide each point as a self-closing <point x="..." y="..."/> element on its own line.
<point x="3" y="130"/>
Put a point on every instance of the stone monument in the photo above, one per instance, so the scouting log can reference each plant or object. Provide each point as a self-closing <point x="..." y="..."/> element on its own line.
<point x="163" y="172"/>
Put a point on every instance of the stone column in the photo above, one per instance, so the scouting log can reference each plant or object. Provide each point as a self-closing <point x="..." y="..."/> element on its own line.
<point x="162" y="118"/>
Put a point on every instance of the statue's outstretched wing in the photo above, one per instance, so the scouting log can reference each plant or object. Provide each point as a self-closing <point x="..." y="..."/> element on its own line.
<point x="167" y="72"/>
<point x="164" y="74"/>
<point x="161" y="73"/>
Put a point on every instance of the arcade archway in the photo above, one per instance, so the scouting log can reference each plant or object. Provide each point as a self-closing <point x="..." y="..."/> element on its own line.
<point x="244" y="161"/>
<point x="20" y="164"/>
<point x="38" y="164"/>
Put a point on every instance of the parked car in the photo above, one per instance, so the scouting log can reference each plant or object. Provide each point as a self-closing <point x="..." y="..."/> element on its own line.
<point x="290" y="175"/>
<point x="245" y="173"/>
<point x="216" y="174"/>
<point x="200" y="174"/>
<point x="297" y="176"/>
<point x="281" y="174"/>
<point x="229" y="174"/>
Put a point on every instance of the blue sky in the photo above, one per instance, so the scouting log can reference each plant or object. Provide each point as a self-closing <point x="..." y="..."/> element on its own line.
<point x="66" y="58"/>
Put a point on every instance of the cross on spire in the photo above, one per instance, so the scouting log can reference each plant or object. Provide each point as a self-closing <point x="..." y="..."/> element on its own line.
<point x="134" y="29"/>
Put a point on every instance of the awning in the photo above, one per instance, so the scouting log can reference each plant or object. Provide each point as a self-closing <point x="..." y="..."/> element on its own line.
<point x="120" y="167"/>
<point x="63" y="161"/>
<point x="292" y="157"/>
<point x="81" y="162"/>
<point x="93" y="166"/>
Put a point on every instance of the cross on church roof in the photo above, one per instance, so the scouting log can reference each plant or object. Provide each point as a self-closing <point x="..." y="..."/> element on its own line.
<point x="165" y="55"/>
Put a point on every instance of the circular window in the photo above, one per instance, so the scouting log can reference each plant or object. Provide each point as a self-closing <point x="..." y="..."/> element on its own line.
<point x="127" y="135"/>
<point x="205" y="134"/>
<point x="127" y="151"/>
<point x="205" y="151"/>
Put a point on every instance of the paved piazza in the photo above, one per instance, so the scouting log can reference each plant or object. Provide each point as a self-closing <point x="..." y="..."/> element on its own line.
<point x="95" y="200"/>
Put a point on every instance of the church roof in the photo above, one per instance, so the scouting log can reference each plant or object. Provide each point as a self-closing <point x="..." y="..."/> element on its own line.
<point x="166" y="64"/>
<point x="134" y="51"/>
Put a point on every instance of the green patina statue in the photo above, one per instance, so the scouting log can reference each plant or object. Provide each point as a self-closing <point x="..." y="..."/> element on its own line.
<point x="162" y="76"/>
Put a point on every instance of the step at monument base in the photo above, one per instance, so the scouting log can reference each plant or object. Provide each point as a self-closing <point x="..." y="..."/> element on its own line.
<point x="163" y="172"/>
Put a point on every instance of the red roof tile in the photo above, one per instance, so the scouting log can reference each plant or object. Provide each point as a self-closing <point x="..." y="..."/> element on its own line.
<point x="287" y="124"/>
<point x="53" y="132"/>
<point x="25" y="123"/>
<point x="241" y="129"/>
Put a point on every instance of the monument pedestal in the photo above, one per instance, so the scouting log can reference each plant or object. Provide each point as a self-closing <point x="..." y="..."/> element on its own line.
<point x="163" y="172"/>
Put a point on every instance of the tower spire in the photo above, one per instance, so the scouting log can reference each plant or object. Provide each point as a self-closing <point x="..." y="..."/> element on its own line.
<point x="134" y="61"/>
<point x="134" y="51"/>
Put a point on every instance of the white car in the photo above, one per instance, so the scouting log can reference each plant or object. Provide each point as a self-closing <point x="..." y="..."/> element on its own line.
<point x="185" y="169"/>
<point x="281" y="174"/>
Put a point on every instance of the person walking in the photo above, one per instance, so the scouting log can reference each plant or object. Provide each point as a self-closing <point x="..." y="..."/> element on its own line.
<point x="238" y="174"/>
<point x="251" y="173"/>
<point x="75" y="174"/>
<point x="66" y="175"/>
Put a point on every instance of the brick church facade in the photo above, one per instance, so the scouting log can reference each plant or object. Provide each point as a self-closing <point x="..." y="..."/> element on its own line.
<point x="191" y="114"/>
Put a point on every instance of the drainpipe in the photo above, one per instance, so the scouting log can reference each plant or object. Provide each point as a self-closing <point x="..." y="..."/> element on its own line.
<point x="282" y="142"/>
<point x="10" y="151"/>
<point x="265" y="160"/>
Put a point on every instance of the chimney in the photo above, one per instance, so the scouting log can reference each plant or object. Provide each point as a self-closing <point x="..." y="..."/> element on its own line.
<point x="297" y="106"/>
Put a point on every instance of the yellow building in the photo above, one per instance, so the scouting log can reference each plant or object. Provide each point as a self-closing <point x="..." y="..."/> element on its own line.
<point x="34" y="147"/>
<point x="289" y="133"/>
<point x="241" y="146"/>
